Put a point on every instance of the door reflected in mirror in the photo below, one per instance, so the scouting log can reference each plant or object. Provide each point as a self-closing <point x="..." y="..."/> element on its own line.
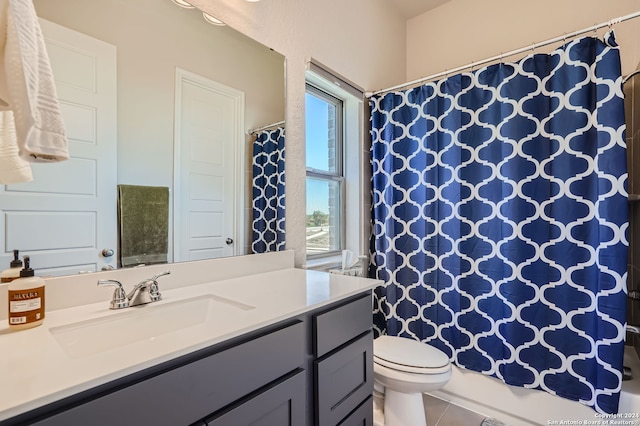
<point x="66" y="218"/>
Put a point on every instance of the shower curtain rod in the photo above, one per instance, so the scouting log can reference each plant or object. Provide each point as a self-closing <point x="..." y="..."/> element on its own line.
<point x="511" y="53"/>
<point x="259" y="129"/>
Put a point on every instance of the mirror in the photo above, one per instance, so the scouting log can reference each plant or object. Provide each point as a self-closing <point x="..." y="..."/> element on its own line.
<point x="154" y="38"/>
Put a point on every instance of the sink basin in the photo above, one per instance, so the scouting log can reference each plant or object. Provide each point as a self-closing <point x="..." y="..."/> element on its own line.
<point x="146" y="323"/>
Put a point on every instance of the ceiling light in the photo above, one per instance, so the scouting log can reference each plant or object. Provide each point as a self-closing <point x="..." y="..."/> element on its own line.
<point x="210" y="19"/>
<point x="184" y="4"/>
<point x="253" y="1"/>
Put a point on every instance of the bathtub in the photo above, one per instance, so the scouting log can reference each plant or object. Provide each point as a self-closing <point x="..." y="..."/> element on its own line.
<point x="516" y="406"/>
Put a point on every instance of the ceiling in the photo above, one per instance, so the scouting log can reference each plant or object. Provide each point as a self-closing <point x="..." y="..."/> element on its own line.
<point x="412" y="8"/>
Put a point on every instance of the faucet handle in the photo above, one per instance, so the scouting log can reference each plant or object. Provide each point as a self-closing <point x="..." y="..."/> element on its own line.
<point x="119" y="299"/>
<point x="154" y="289"/>
<point x="155" y="277"/>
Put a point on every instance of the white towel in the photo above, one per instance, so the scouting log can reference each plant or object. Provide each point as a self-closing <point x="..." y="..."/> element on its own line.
<point x="28" y="92"/>
<point x="13" y="169"/>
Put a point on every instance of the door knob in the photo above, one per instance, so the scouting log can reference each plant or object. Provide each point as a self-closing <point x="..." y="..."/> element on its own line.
<point x="229" y="241"/>
<point x="107" y="252"/>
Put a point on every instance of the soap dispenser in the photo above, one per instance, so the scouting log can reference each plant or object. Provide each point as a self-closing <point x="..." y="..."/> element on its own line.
<point x="13" y="273"/>
<point x="26" y="299"/>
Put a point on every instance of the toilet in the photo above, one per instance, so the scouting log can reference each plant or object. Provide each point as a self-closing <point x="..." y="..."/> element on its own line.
<point x="403" y="369"/>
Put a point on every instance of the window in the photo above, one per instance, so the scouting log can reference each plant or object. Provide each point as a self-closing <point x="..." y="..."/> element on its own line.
<point x="325" y="173"/>
<point x="337" y="173"/>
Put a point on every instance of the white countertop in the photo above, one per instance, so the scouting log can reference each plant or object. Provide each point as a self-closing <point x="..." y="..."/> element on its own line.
<point x="36" y="370"/>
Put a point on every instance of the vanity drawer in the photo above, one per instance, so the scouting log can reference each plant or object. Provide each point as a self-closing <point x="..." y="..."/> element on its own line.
<point x="344" y="380"/>
<point x="362" y="416"/>
<point x="339" y="325"/>
<point x="193" y="391"/>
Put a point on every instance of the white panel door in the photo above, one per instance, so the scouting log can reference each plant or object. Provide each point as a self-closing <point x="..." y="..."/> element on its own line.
<point x="67" y="215"/>
<point x="208" y="140"/>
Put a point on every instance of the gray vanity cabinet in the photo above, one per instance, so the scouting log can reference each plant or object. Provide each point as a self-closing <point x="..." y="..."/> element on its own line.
<point x="315" y="368"/>
<point x="343" y="369"/>
<point x="190" y="392"/>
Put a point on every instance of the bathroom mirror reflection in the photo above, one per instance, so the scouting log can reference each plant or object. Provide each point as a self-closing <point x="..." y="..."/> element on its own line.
<point x="171" y="78"/>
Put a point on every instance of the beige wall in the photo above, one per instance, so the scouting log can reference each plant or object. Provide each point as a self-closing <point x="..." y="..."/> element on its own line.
<point x="462" y="31"/>
<point x="369" y="43"/>
<point x="363" y="40"/>
<point x="152" y="37"/>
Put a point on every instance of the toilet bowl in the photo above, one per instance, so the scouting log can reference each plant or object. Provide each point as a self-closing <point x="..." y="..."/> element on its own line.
<point x="404" y="369"/>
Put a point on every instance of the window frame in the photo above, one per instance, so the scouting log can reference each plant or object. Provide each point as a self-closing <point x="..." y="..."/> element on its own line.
<point x="329" y="176"/>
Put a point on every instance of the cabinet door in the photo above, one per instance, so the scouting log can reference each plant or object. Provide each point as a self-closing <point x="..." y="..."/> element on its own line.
<point x="344" y="379"/>
<point x="362" y="416"/>
<point x="282" y="405"/>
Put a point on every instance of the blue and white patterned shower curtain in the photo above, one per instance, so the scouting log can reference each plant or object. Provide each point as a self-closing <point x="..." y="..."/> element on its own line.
<point x="500" y="219"/>
<point x="268" y="224"/>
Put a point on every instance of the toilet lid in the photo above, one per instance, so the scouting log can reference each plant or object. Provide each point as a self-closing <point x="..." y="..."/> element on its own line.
<point x="408" y="352"/>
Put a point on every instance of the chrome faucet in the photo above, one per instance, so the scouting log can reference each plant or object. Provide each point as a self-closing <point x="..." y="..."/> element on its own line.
<point x="119" y="299"/>
<point x="144" y="292"/>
